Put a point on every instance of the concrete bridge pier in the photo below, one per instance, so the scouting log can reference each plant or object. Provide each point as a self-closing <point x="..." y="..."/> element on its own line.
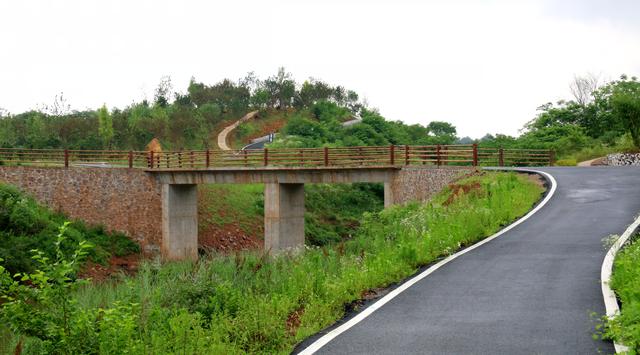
<point x="180" y="221"/>
<point x="283" y="217"/>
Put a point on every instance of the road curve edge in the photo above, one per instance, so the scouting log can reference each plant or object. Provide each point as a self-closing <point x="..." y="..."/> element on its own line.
<point x="325" y="339"/>
<point x="610" y="300"/>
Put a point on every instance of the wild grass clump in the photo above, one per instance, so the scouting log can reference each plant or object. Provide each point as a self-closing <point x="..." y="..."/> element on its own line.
<point x="252" y="303"/>
<point x="566" y="162"/>
<point x="625" y="281"/>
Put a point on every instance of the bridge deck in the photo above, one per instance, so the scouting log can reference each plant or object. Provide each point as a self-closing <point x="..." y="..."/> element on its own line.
<point x="300" y="175"/>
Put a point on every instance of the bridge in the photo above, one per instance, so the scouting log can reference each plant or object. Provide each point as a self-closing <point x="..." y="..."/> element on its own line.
<point x="408" y="172"/>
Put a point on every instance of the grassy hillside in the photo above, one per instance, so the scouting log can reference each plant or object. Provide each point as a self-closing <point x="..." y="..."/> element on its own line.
<point x="250" y="303"/>
<point x="26" y="225"/>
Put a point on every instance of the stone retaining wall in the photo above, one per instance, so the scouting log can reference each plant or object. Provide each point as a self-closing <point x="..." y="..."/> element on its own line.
<point x="623" y="159"/>
<point x="126" y="200"/>
<point x="420" y="184"/>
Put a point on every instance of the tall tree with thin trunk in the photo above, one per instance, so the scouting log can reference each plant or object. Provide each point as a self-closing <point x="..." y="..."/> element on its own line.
<point x="105" y="126"/>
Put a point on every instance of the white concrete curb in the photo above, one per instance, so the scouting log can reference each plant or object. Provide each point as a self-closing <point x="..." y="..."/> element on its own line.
<point x="610" y="300"/>
<point x="315" y="346"/>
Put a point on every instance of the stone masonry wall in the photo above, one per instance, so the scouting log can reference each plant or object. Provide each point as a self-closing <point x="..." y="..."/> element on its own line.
<point x="126" y="200"/>
<point x="420" y="184"/>
<point x="623" y="159"/>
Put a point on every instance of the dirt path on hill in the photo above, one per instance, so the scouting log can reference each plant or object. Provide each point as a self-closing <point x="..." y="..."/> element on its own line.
<point x="222" y="137"/>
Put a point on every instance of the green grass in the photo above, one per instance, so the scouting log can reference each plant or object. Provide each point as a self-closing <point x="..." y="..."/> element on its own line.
<point x="598" y="149"/>
<point x="625" y="281"/>
<point x="249" y="302"/>
<point x="333" y="211"/>
<point x="242" y="204"/>
<point x="566" y="162"/>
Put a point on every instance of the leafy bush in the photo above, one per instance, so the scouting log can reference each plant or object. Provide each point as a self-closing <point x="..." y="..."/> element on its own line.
<point x="40" y="305"/>
<point x="26" y="225"/>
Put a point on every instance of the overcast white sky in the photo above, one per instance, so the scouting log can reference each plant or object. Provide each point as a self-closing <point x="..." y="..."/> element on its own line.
<point x="483" y="65"/>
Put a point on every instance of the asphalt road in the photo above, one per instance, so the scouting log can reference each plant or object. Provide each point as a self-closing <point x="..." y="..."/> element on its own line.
<point x="532" y="290"/>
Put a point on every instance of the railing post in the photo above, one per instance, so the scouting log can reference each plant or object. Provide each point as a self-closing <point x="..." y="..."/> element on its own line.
<point x="66" y="158"/>
<point x="266" y="156"/>
<point x="392" y="154"/>
<point x="244" y="153"/>
<point x="207" y="158"/>
<point x="130" y="159"/>
<point x="475" y="154"/>
<point x="406" y="155"/>
<point x="552" y="157"/>
<point x="152" y="161"/>
<point x="438" y="148"/>
<point x="180" y="159"/>
<point x="500" y="157"/>
<point x="326" y="156"/>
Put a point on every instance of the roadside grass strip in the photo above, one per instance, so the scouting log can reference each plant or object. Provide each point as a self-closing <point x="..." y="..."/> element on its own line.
<point x="620" y="275"/>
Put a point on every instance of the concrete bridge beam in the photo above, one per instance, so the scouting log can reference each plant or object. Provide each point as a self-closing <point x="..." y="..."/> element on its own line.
<point x="283" y="217"/>
<point x="179" y="221"/>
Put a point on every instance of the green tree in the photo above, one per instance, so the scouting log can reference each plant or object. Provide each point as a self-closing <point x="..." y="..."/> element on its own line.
<point x="105" y="126"/>
<point x="440" y="132"/>
<point x="625" y="102"/>
<point x="281" y="88"/>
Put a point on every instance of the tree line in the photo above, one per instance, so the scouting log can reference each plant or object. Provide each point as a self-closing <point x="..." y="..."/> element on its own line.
<point x="604" y="115"/>
<point x="598" y="115"/>
<point x="178" y="120"/>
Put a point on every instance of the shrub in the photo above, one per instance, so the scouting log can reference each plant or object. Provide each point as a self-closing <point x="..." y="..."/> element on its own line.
<point x="27" y="225"/>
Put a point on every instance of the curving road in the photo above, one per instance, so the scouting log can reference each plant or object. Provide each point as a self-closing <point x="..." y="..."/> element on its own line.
<point x="530" y="290"/>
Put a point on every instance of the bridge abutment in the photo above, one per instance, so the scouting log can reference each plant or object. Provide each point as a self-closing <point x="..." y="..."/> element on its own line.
<point x="180" y="221"/>
<point x="283" y="217"/>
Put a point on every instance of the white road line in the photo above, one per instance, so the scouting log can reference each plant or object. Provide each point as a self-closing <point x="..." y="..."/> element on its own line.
<point x="610" y="301"/>
<point x="325" y="339"/>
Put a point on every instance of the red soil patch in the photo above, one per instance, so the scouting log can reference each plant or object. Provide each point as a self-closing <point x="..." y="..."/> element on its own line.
<point x="293" y="320"/>
<point x="268" y="127"/>
<point x="117" y="264"/>
<point x="227" y="238"/>
<point x="458" y="190"/>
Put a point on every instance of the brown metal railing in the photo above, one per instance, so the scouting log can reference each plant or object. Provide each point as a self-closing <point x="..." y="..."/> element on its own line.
<point x="394" y="155"/>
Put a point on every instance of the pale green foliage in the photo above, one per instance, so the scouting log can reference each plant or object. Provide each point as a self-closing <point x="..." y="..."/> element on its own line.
<point x="105" y="125"/>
